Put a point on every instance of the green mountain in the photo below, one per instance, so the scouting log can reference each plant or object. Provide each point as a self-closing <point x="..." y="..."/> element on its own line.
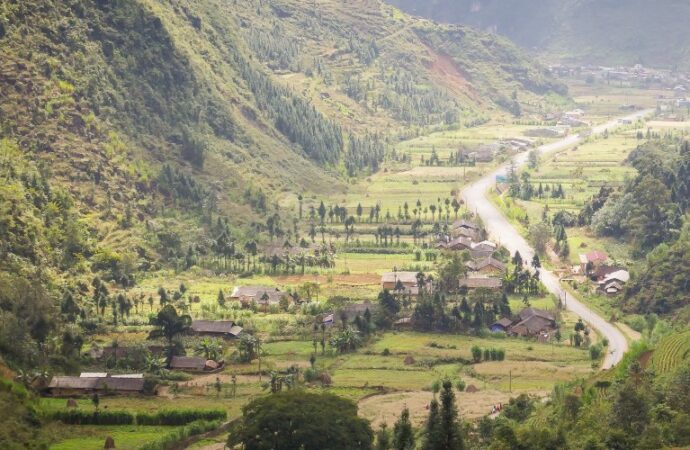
<point x="139" y="134"/>
<point x="585" y="31"/>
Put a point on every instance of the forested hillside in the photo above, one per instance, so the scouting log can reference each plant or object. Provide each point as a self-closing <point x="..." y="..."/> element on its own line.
<point x="137" y="135"/>
<point x="650" y="212"/>
<point x="591" y="31"/>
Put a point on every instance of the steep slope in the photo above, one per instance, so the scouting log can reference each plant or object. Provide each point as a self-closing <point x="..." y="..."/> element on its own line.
<point x="589" y="31"/>
<point x="137" y="135"/>
<point x="369" y="66"/>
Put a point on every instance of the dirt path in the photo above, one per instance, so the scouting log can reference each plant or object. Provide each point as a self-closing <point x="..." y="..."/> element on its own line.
<point x="498" y="226"/>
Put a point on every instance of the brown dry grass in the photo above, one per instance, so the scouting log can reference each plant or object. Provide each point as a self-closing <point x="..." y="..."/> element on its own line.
<point x="386" y="408"/>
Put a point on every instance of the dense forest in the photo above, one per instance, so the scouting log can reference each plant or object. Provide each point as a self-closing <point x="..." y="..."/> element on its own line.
<point x="650" y="212"/>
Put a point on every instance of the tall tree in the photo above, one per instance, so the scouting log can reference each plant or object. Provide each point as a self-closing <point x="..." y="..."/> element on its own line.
<point x="403" y="435"/>
<point x="168" y="326"/>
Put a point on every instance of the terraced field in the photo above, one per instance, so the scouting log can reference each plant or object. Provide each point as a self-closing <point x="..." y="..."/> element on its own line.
<point x="671" y="352"/>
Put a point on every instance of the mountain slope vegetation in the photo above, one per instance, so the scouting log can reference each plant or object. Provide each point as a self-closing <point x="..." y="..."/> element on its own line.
<point x="137" y="135"/>
<point x="590" y="31"/>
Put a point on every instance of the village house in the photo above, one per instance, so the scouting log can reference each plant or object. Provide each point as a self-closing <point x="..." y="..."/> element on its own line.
<point x="501" y="326"/>
<point x="72" y="386"/>
<point x="472" y="283"/>
<point x="486" y="266"/>
<point x="466" y="224"/>
<point x="469" y="233"/>
<point x="261" y="295"/>
<point x="484" y="246"/>
<point x="392" y="281"/>
<point x="195" y="364"/>
<point x="225" y="329"/>
<point x="591" y="260"/>
<point x="534" y="322"/>
<point x="613" y="283"/>
<point x="457" y="244"/>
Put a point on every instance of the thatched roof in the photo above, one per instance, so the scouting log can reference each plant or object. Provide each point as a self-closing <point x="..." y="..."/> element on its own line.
<point x="100" y="383"/>
<point x="403" y="277"/>
<point x="478" y="282"/>
<point x="188" y="363"/>
<point x="216" y="327"/>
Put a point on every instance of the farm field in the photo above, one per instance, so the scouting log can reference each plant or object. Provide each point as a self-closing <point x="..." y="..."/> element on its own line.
<point x="377" y="379"/>
<point x="670" y="352"/>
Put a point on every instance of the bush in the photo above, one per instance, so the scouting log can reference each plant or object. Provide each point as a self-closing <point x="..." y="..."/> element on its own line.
<point x="476" y="354"/>
<point x="500" y="354"/>
<point x="76" y="417"/>
<point x="180" y="416"/>
<point x="460" y="385"/>
<point x="386" y="352"/>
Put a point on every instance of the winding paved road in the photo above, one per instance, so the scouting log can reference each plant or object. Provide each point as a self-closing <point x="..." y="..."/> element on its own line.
<point x="497" y="225"/>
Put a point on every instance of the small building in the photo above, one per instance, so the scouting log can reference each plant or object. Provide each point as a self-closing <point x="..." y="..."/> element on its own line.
<point x="458" y="244"/>
<point x="72" y="386"/>
<point x="613" y="283"/>
<point x="486" y="266"/>
<point x="194" y="364"/>
<point x="462" y="223"/>
<point x="534" y="322"/>
<point x="391" y="280"/>
<point x="404" y="322"/>
<point x="356" y="309"/>
<point x="592" y="260"/>
<point x="261" y="295"/>
<point x="501" y="326"/>
<point x="480" y="282"/>
<point x="484" y="246"/>
<point x="468" y="233"/>
<point x="226" y="329"/>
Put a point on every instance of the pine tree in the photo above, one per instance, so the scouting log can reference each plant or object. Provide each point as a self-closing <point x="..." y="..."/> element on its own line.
<point x="403" y="435"/>
<point x="450" y="432"/>
<point x="432" y="432"/>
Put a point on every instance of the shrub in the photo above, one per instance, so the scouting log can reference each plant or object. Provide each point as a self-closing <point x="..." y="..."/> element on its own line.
<point x="460" y="385"/>
<point x="386" y="352"/>
<point x="476" y="354"/>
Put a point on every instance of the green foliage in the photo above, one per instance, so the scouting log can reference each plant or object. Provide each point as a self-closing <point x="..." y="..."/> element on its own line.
<point x="295" y="419"/>
<point x="172" y="439"/>
<point x="176" y="417"/>
<point x="671" y="352"/>
<point x="22" y="426"/>
<point x="78" y="417"/>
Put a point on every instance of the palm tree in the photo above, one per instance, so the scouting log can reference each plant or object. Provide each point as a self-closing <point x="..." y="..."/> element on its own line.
<point x="209" y="349"/>
<point x="168" y="325"/>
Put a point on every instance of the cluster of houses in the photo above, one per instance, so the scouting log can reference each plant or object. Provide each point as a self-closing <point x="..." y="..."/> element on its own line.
<point x="484" y="271"/>
<point x="609" y="278"/>
<point x="636" y="75"/>
<point x="487" y="152"/>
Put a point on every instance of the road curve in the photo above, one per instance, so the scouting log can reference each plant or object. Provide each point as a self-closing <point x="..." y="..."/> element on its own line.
<point x="475" y="197"/>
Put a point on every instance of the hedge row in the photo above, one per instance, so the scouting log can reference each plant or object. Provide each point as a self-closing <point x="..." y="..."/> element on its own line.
<point x="180" y="416"/>
<point x="163" y="417"/>
<point x="77" y="417"/>
<point x="172" y="439"/>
